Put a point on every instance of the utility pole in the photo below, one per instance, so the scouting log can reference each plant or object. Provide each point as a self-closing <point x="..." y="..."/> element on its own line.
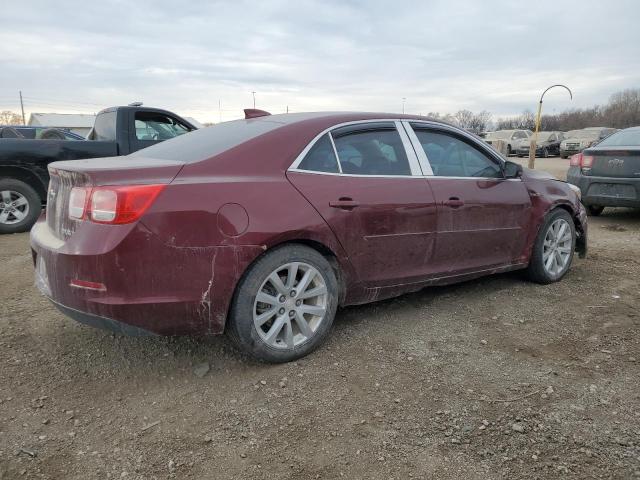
<point x="24" y="122"/>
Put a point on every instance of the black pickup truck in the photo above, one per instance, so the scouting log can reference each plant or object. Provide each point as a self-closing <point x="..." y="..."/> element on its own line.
<point x="24" y="177"/>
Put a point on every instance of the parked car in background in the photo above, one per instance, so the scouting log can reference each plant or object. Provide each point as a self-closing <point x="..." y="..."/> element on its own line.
<point x="261" y="227"/>
<point x="577" y="140"/>
<point x="38" y="133"/>
<point x="510" y="137"/>
<point x="547" y="145"/>
<point x="23" y="162"/>
<point x="608" y="174"/>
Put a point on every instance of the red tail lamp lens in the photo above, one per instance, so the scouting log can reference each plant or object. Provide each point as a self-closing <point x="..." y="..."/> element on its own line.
<point x="117" y="205"/>
<point x="587" y="161"/>
<point x="576" y="160"/>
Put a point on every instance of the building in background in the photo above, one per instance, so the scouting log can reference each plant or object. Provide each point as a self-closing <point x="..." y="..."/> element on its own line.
<point x="79" y="123"/>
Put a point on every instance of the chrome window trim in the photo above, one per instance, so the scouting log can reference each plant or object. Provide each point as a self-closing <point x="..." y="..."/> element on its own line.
<point x="335" y="151"/>
<point x="417" y="147"/>
<point x="429" y="177"/>
<point x="410" y="152"/>
<point x="411" y="155"/>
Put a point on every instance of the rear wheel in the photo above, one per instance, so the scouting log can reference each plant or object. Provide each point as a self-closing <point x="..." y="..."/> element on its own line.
<point x="284" y="306"/>
<point x="564" y="156"/>
<point x="545" y="152"/>
<point x="20" y="206"/>
<point x="594" y="210"/>
<point x="553" y="249"/>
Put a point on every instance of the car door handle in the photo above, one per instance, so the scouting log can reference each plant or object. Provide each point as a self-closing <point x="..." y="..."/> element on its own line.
<point x="453" y="202"/>
<point x="344" y="203"/>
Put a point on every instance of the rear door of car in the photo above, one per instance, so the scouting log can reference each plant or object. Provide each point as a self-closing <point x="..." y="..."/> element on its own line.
<point x="482" y="217"/>
<point x="365" y="180"/>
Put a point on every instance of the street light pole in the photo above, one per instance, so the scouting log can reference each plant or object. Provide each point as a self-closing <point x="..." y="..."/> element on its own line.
<point x="254" y="100"/>
<point x="534" y="137"/>
<point x="403" y="100"/>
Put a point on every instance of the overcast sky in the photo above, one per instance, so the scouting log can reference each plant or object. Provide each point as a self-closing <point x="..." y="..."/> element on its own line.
<point x="191" y="56"/>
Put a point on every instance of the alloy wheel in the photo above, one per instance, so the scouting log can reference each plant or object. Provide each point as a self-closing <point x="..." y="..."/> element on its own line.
<point x="290" y="305"/>
<point x="556" y="249"/>
<point x="14" y="207"/>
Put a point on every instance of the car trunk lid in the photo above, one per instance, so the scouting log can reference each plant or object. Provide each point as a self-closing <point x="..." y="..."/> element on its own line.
<point x="623" y="162"/>
<point x="99" y="172"/>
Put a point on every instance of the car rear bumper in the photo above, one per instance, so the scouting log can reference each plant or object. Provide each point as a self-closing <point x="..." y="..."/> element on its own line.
<point x="150" y="286"/>
<point x="606" y="191"/>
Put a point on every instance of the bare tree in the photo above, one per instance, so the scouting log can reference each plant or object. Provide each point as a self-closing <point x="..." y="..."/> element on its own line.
<point x="7" y="117"/>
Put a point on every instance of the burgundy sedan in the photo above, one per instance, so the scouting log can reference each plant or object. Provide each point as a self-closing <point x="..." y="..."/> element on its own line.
<point x="262" y="227"/>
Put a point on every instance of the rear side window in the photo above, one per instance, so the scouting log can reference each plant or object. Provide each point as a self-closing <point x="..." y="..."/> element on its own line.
<point x="452" y="157"/>
<point x="156" y="126"/>
<point x="321" y="157"/>
<point x="104" y="128"/>
<point x="208" y="142"/>
<point x="372" y="152"/>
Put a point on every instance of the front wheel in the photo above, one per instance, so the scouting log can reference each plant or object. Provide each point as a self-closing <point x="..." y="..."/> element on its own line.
<point x="545" y="152"/>
<point x="20" y="206"/>
<point x="553" y="248"/>
<point x="284" y="306"/>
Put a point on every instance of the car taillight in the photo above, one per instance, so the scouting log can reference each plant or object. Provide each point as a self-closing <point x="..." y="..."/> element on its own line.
<point x="576" y="160"/>
<point x="78" y="202"/>
<point x="125" y="204"/>
<point x="581" y="160"/>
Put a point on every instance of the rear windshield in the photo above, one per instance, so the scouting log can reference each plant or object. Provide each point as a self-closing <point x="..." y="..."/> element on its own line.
<point x="499" y="134"/>
<point x="624" y="138"/>
<point x="208" y="142"/>
<point x="584" y="134"/>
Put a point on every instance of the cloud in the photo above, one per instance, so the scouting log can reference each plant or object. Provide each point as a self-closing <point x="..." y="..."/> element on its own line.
<point x="192" y="57"/>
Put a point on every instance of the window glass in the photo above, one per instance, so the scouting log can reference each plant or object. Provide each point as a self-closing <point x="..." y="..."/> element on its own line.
<point x="155" y="126"/>
<point x="624" y="138"/>
<point x="372" y="152"/>
<point x="321" y="157"/>
<point x="104" y="128"/>
<point x="452" y="157"/>
<point x="208" y="142"/>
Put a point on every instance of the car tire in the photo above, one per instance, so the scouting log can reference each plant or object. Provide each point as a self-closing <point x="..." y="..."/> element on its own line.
<point x="553" y="249"/>
<point x="268" y="331"/>
<point x="545" y="152"/>
<point x="564" y="156"/>
<point x="594" y="210"/>
<point x="24" y="206"/>
<point x="509" y="151"/>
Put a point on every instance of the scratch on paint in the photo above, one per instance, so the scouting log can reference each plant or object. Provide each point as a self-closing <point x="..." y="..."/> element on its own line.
<point x="205" y="300"/>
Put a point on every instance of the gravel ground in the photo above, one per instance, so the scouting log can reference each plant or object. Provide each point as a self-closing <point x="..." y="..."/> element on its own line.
<point x="494" y="378"/>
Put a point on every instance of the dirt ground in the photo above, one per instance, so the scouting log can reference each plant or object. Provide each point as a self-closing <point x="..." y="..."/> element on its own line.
<point x="494" y="378"/>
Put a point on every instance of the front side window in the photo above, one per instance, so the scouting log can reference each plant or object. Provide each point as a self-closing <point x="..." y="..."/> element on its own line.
<point x="372" y="151"/>
<point x="155" y="126"/>
<point x="450" y="156"/>
<point x="321" y="157"/>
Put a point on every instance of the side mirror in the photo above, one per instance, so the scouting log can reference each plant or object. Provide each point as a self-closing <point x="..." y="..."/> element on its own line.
<point x="512" y="170"/>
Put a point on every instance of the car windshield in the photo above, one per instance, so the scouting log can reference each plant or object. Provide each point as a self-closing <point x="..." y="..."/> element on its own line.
<point x="627" y="138"/>
<point x="543" y="136"/>
<point x="589" y="134"/>
<point x="208" y="142"/>
<point x="499" y="135"/>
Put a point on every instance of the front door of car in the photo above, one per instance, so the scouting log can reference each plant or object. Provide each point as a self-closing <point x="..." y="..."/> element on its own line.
<point x="374" y="199"/>
<point x="482" y="217"/>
